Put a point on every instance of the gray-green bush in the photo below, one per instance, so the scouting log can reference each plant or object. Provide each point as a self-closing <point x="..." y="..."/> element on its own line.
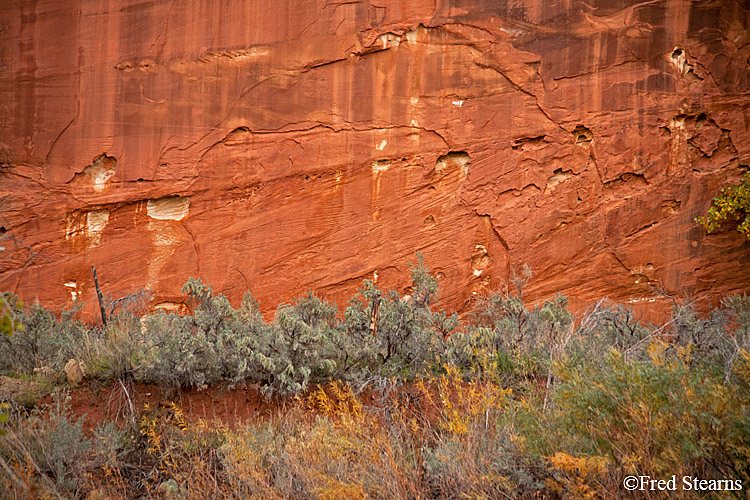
<point x="211" y="345"/>
<point x="46" y="340"/>
<point x="53" y="443"/>
<point x="380" y="334"/>
<point x="511" y="341"/>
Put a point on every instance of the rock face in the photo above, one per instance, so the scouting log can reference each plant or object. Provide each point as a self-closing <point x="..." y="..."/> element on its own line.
<point x="286" y="146"/>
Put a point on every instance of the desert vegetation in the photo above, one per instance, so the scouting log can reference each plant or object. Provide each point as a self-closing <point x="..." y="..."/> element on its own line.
<point x="388" y="398"/>
<point x="732" y="203"/>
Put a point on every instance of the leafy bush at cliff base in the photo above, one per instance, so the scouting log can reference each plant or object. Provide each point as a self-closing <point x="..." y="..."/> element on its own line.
<point x="10" y="314"/>
<point x="705" y="340"/>
<point x="389" y="335"/>
<point x="522" y="403"/>
<point x="45" y="339"/>
<point x="212" y="345"/>
<point x="604" y="327"/>
<point x="510" y="340"/>
<point x="380" y="334"/>
<point x="732" y="202"/>
<point x="308" y="342"/>
<point x="676" y="404"/>
<point x="299" y="347"/>
<point x="115" y="351"/>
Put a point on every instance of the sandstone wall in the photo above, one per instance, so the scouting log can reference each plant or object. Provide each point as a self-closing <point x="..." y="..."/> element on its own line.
<point x="292" y="145"/>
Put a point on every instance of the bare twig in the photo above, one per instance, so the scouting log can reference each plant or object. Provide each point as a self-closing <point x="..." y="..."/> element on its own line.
<point x="100" y="296"/>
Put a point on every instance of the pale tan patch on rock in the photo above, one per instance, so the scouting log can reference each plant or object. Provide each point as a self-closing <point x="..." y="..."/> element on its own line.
<point x="168" y="208"/>
<point x="455" y="161"/>
<point x="86" y="228"/>
<point x="169" y="306"/>
<point x="72" y="287"/>
<point x="98" y="174"/>
<point x="96" y="220"/>
<point x="380" y="166"/>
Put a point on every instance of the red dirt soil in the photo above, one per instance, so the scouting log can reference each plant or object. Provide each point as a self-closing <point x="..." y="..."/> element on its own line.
<point x="230" y="407"/>
<point x="221" y="405"/>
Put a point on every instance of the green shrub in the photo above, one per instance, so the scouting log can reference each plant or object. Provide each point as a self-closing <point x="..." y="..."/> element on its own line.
<point x="52" y="444"/>
<point x="209" y="346"/>
<point x="737" y="308"/>
<point x="299" y="347"/>
<point x="360" y="347"/>
<point x="380" y="334"/>
<point x="117" y="349"/>
<point x="45" y="341"/>
<point x="10" y="314"/>
<point x="656" y="417"/>
<point x="111" y="443"/>
<point x="608" y="326"/>
<point x="511" y="342"/>
<point x="178" y="354"/>
<point x="732" y="202"/>
<point x="713" y="341"/>
<point x="391" y="335"/>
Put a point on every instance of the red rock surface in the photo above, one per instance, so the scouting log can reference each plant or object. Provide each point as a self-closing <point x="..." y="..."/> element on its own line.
<point x="286" y="146"/>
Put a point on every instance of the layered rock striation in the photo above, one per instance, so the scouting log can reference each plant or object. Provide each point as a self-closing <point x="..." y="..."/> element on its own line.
<point x="286" y="146"/>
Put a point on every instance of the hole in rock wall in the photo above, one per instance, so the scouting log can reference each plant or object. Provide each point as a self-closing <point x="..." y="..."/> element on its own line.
<point x="556" y="178"/>
<point x="380" y="165"/>
<point x="582" y="134"/>
<point x="99" y="173"/>
<point x="679" y="60"/>
<point x="528" y="142"/>
<point x="669" y="207"/>
<point x="452" y="161"/>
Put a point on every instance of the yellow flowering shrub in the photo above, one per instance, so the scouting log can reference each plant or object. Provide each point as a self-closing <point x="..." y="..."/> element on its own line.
<point x="732" y="201"/>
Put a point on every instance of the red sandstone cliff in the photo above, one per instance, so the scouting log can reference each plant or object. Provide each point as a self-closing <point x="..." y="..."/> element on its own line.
<point x="282" y="146"/>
